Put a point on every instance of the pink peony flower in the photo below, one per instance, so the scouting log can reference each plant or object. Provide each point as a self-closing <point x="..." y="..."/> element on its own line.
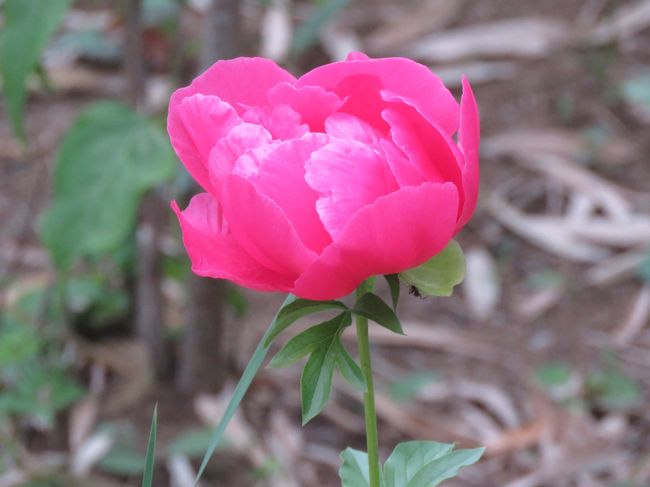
<point x="314" y="184"/>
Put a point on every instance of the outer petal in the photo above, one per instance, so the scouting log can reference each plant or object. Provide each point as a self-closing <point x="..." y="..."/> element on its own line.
<point x="348" y="175"/>
<point x="398" y="75"/>
<point x="214" y="252"/>
<point x="469" y="136"/>
<point x="281" y="177"/>
<point x="399" y="231"/>
<point x="313" y="103"/>
<point x="262" y="228"/>
<point x="237" y="81"/>
<point x="195" y="124"/>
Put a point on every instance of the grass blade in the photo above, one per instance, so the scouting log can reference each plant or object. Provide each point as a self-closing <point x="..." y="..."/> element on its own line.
<point x="242" y="387"/>
<point x="149" y="462"/>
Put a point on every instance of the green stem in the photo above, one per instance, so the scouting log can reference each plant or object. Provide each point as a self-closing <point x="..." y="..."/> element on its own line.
<point x="369" y="397"/>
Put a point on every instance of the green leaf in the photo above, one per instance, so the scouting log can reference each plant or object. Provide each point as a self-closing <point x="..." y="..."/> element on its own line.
<point x="309" y="340"/>
<point x="296" y="309"/>
<point x="354" y="469"/>
<point x="439" y="275"/>
<point x="636" y="91"/>
<point x="308" y="32"/>
<point x="150" y="458"/>
<point x="106" y="162"/>
<point x="27" y="27"/>
<point x="426" y="463"/>
<point x="393" y="284"/>
<point x="372" y="307"/>
<point x="552" y="375"/>
<point x="316" y="379"/>
<point x="613" y="390"/>
<point x="644" y="269"/>
<point x="349" y="368"/>
<point x="244" y="383"/>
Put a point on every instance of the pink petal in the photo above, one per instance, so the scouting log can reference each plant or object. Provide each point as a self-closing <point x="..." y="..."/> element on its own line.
<point x="406" y="173"/>
<point x="346" y="126"/>
<point x="262" y="228"/>
<point x="348" y="175"/>
<point x="399" y="231"/>
<point x="281" y="177"/>
<point x="237" y="81"/>
<point x="224" y="154"/>
<point x="214" y="252"/>
<point x="313" y="103"/>
<point x="431" y="151"/>
<point x="398" y="75"/>
<point x="281" y="121"/>
<point x="195" y="124"/>
<point x="469" y="136"/>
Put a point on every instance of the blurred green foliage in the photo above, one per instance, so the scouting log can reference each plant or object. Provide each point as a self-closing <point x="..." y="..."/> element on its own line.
<point x="35" y="383"/>
<point x="606" y="387"/>
<point x="307" y="34"/>
<point x="106" y="162"/>
<point x="28" y="26"/>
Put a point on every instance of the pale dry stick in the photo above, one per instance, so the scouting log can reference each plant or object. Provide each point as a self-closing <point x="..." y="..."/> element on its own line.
<point x="478" y="72"/>
<point x="625" y="22"/>
<point x="532" y="306"/>
<point x="426" y="17"/>
<point x="339" y="41"/>
<point x="550" y="233"/>
<point x="615" y="268"/>
<point x="430" y="336"/>
<point x="181" y="471"/>
<point x="637" y="319"/>
<point x="276" y="31"/>
<point x="567" y="144"/>
<point x="82" y="419"/>
<point x="528" y="37"/>
<point x="611" y="196"/>
<point x="416" y="425"/>
<point x="89" y="452"/>
<point x="481" y="287"/>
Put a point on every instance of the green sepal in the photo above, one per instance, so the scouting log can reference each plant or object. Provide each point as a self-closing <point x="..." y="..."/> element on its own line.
<point x="439" y="275"/>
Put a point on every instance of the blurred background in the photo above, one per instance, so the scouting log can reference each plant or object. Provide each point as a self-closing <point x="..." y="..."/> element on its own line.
<point x="542" y="355"/>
